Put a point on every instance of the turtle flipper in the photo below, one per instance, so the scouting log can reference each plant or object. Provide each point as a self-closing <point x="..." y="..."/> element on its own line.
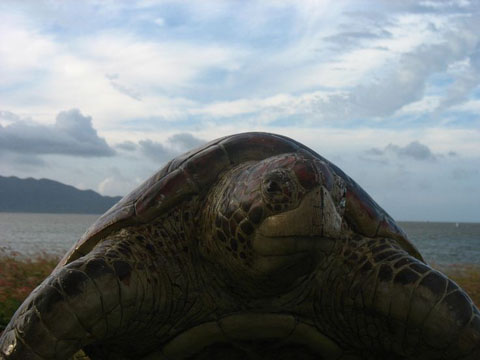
<point x="49" y="323"/>
<point x="99" y="298"/>
<point x="385" y="301"/>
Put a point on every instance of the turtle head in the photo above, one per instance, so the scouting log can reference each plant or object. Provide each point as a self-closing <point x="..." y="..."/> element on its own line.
<point x="270" y="221"/>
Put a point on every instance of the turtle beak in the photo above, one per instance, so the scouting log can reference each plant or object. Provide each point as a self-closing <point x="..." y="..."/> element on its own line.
<point x="290" y="244"/>
<point x="299" y="229"/>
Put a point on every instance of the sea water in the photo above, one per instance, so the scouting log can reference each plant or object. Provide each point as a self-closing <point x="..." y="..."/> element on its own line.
<point x="30" y="234"/>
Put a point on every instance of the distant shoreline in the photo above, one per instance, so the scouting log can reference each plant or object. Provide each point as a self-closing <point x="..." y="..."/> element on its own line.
<point x="51" y="213"/>
<point x="437" y="222"/>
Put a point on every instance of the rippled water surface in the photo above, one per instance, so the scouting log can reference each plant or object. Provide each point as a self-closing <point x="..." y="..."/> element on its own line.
<point x="34" y="233"/>
<point x="445" y="243"/>
<point x="442" y="243"/>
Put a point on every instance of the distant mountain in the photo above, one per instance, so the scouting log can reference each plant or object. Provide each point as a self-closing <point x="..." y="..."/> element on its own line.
<point x="48" y="196"/>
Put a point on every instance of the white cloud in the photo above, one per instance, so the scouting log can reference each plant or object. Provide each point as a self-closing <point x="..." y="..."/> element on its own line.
<point x="158" y="78"/>
<point x="467" y="77"/>
<point x="117" y="184"/>
<point x="341" y="77"/>
<point x="470" y="106"/>
<point x="159" y="21"/>
<point x="23" y="50"/>
<point x="150" y="76"/>
<point x="167" y="66"/>
<point x="425" y="105"/>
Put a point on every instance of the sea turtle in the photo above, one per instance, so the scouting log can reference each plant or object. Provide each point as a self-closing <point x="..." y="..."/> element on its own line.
<point x="250" y="247"/>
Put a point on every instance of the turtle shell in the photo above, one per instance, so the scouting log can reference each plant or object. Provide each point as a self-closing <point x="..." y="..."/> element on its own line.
<point x="194" y="172"/>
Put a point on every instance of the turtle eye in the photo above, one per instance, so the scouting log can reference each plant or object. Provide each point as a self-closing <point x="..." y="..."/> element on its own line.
<point x="273" y="187"/>
<point x="279" y="187"/>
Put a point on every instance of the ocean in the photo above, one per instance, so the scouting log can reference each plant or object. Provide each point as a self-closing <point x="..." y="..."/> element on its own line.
<point x="30" y="234"/>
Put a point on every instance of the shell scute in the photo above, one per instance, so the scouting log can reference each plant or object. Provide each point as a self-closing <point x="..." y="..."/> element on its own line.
<point x="114" y="215"/>
<point x="136" y="193"/>
<point x="366" y="217"/>
<point x="363" y="214"/>
<point x="119" y="215"/>
<point x="165" y="193"/>
<point x="256" y="146"/>
<point x="205" y="166"/>
<point x="183" y="158"/>
<point x="361" y="211"/>
<point x="388" y="228"/>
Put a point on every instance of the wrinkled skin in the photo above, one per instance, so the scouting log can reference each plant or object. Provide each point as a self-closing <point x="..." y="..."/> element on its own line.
<point x="270" y="263"/>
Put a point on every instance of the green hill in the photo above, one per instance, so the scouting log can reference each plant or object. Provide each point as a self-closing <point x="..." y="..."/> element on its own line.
<point x="48" y="196"/>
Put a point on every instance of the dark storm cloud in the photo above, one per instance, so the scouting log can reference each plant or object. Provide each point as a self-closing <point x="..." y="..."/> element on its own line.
<point x="175" y="145"/>
<point x="72" y="134"/>
<point x="414" y="150"/>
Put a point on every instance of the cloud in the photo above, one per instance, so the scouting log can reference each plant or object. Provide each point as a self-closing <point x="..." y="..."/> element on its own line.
<point x="461" y="174"/>
<point x="406" y="82"/>
<point x="136" y="65"/>
<point x="21" y="162"/>
<point x="175" y="145"/>
<point x="127" y="146"/>
<point x="361" y="82"/>
<point x="117" y="73"/>
<point x="72" y="134"/>
<point x="153" y="71"/>
<point x="466" y="75"/>
<point x="155" y="150"/>
<point x="340" y="77"/>
<point x="414" y="150"/>
<point x="29" y="161"/>
<point x="8" y="117"/>
<point x="116" y="183"/>
<point x="185" y="141"/>
<point x="23" y="49"/>
<point x="116" y="84"/>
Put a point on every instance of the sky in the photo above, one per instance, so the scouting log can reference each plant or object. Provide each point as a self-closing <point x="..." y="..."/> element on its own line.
<point x="100" y="94"/>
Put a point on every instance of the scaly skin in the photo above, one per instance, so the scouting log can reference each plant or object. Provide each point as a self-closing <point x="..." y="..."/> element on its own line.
<point x="265" y="265"/>
<point x="381" y="301"/>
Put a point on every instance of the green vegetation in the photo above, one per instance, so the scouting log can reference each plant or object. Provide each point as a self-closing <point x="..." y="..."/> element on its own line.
<point x="18" y="277"/>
